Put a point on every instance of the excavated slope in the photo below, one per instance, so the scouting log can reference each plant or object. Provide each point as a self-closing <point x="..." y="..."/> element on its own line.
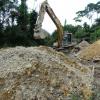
<point x="92" y="52"/>
<point x="40" y="73"/>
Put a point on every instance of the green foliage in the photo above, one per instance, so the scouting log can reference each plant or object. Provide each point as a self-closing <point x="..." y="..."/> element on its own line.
<point x="89" y="11"/>
<point x="92" y="37"/>
<point x="6" y="7"/>
<point x="32" y="21"/>
<point x="48" y="41"/>
<point x="16" y="24"/>
<point x="1" y="29"/>
<point x="98" y="34"/>
<point x="86" y="27"/>
<point x="97" y="21"/>
<point x="83" y="32"/>
<point x="93" y="32"/>
<point x="23" y="15"/>
<point x="79" y="33"/>
<point x="16" y="37"/>
<point x="77" y="19"/>
<point x="69" y="28"/>
<point x="52" y="38"/>
<point x="95" y="36"/>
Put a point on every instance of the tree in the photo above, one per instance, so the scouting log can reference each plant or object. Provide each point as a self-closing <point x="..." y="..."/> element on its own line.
<point x="79" y="33"/>
<point x="6" y="7"/>
<point x="23" y="16"/>
<point x="89" y="11"/>
<point x="97" y="21"/>
<point x="69" y="28"/>
<point x="33" y="18"/>
<point x="96" y="35"/>
<point x="86" y="27"/>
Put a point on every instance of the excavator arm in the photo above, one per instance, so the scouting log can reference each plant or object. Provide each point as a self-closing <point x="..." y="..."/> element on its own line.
<point x="45" y="7"/>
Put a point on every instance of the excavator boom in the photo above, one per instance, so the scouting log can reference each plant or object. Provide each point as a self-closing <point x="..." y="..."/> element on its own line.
<point x="45" y="7"/>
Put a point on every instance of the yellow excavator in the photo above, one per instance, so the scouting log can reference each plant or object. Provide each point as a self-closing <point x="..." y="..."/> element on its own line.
<point x="64" y="39"/>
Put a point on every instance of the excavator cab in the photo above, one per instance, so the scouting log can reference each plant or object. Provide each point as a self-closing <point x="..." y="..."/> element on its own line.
<point x="67" y="39"/>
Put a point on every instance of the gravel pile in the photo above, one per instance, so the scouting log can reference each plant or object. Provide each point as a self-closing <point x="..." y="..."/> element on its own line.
<point x="40" y="73"/>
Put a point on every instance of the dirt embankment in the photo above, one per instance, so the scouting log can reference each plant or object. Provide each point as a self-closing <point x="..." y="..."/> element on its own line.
<point x="40" y="73"/>
<point x="92" y="52"/>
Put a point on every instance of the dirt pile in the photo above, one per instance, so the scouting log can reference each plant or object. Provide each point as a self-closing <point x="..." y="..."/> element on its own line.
<point x="83" y="44"/>
<point x="40" y="73"/>
<point x="92" y="52"/>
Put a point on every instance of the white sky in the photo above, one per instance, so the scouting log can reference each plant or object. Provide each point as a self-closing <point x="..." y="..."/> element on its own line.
<point x="64" y="9"/>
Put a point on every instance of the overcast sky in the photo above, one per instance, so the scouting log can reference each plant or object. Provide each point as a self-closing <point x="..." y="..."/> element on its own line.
<point x="64" y="9"/>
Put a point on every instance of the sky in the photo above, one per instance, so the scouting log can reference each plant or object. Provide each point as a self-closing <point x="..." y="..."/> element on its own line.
<point x="64" y="10"/>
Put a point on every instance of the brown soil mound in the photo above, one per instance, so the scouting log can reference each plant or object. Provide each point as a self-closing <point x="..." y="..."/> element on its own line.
<point x="40" y="73"/>
<point x="92" y="52"/>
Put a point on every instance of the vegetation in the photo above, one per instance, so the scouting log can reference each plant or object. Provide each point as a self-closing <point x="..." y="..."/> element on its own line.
<point x="17" y="25"/>
<point x="92" y="33"/>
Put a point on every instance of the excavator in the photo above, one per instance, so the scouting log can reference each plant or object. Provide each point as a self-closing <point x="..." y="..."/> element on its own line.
<point x="64" y="39"/>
